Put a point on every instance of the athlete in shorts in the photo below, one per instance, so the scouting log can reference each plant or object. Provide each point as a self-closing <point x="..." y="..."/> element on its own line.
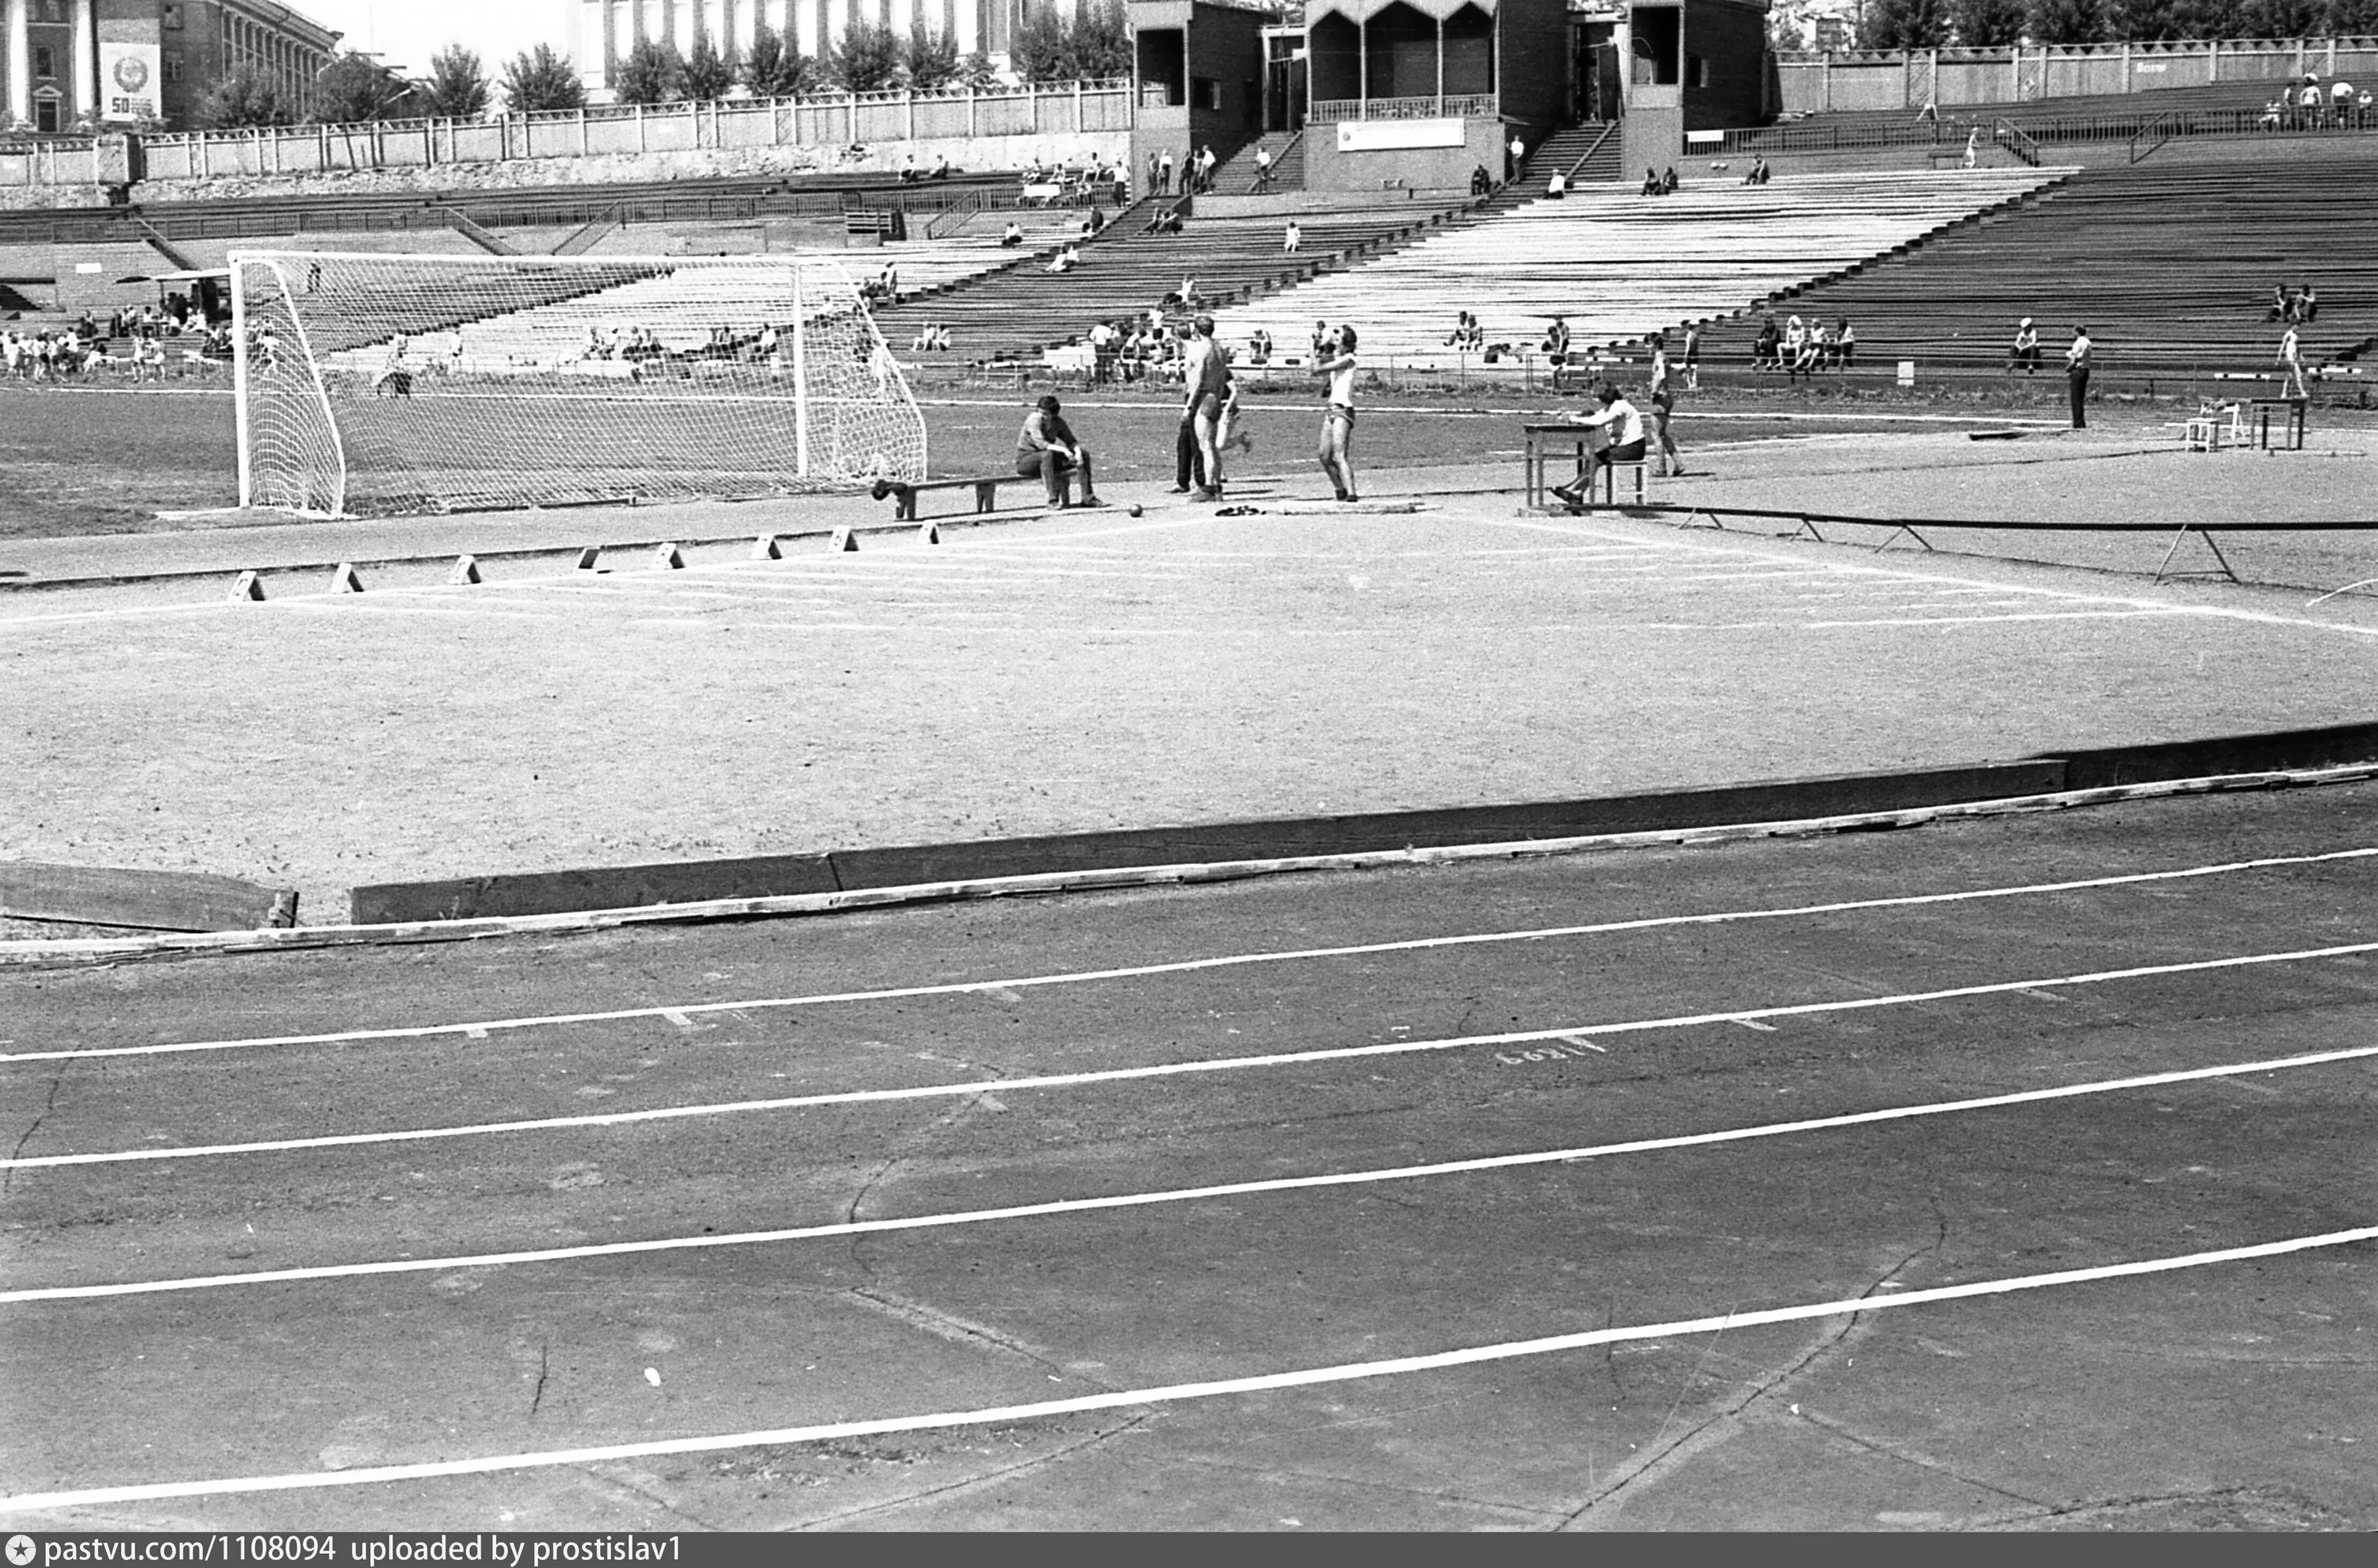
<point x="1338" y="417"/>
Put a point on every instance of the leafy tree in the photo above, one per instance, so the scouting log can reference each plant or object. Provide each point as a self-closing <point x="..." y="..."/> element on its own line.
<point x="651" y="74"/>
<point x="1101" y="40"/>
<point x="976" y="70"/>
<point x="356" y="88"/>
<point x="2282" y="18"/>
<point x="1904" y="24"/>
<point x="457" y="87"/>
<point x="774" y="68"/>
<point x="2351" y="19"/>
<point x="705" y="74"/>
<point x="2149" y="20"/>
<point x="242" y="97"/>
<point x="1984" y="24"/>
<point x="1041" y="48"/>
<point x="2066" y="21"/>
<point x="929" y="59"/>
<point x="866" y="60"/>
<point x="541" y="79"/>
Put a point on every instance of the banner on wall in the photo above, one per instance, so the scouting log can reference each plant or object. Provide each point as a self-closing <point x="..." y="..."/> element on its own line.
<point x="128" y="82"/>
<point x="1375" y="136"/>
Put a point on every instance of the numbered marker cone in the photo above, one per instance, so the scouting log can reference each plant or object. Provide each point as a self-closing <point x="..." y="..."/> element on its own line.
<point x="467" y="571"/>
<point x="345" y="580"/>
<point x="248" y="586"/>
<point x="844" y="538"/>
<point x="588" y="557"/>
<point x="764" y="549"/>
<point x="928" y="534"/>
<point x="668" y="559"/>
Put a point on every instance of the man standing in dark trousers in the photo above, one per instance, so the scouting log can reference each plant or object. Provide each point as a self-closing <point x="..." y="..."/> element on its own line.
<point x="2076" y="373"/>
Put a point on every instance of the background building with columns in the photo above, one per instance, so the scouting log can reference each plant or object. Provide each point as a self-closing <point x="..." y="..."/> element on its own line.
<point x="602" y="32"/>
<point x="124" y="62"/>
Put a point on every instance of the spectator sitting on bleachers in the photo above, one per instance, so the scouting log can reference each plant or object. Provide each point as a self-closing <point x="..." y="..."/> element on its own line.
<point x="1651" y="182"/>
<point x="2026" y="348"/>
<point x="1766" y="349"/>
<point x="1259" y="347"/>
<point x="2307" y="305"/>
<point x="1668" y="181"/>
<point x="1481" y="182"/>
<point x="1165" y="223"/>
<point x="2274" y="114"/>
<point x="1014" y="234"/>
<point x="2283" y="304"/>
<point x="1559" y="187"/>
<point x="1799" y="350"/>
<point x="1066" y="259"/>
<point x="1844" y="345"/>
<point x="1757" y="174"/>
<point x="1826" y="344"/>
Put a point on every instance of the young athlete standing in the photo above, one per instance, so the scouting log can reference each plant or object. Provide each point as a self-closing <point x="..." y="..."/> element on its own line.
<point x="1338" y="364"/>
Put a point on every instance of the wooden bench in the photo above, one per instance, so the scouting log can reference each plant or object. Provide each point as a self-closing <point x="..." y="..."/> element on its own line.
<point x="985" y="487"/>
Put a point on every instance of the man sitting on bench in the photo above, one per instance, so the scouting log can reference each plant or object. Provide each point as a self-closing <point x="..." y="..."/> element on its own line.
<point x="1622" y="424"/>
<point x="1047" y="446"/>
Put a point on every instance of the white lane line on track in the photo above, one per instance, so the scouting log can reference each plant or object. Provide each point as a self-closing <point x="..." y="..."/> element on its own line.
<point x="1150" y="1199"/>
<point x="1756" y="1016"/>
<point x="1307" y="1377"/>
<point x="1229" y="960"/>
<point x="2251" y="617"/>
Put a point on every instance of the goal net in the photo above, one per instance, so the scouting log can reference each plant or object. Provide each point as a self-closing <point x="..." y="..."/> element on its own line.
<point x="372" y="383"/>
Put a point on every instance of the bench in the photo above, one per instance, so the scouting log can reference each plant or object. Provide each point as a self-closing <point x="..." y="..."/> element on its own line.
<point x="985" y="487"/>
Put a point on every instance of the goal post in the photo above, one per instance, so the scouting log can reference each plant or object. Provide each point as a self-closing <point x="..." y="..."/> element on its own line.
<point x="373" y="383"/>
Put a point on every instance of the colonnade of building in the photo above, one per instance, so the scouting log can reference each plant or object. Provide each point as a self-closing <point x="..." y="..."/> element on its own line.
<point x="288" y="63"/>
<point x="72" y="82"/>
<point x="606" y="29"/>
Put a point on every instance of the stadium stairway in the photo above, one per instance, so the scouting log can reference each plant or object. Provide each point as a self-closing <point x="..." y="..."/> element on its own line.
<point x="2171" y="266"/>
<point x="1618" y="264"/>
<point x="1237" y="177"/>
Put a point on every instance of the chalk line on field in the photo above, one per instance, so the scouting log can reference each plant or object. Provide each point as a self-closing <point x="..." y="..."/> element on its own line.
<point x="1308" y="1377"/>
<point x="1230" y="961"/>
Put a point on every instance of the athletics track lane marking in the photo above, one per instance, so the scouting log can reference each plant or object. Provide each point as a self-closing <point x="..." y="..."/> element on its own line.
<point x="1230" y="960"/>
<point x="1174" y="1392"/>
<point x="1178" y="1195"/>
<point x="1754" y="1016"/>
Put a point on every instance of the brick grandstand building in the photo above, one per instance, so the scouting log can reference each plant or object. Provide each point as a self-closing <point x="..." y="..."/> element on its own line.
<point x="128" y="63"/>
<point x="603" y="31"/>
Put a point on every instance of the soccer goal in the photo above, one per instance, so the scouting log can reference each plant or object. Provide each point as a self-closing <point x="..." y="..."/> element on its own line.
<point x="379" y="385"/>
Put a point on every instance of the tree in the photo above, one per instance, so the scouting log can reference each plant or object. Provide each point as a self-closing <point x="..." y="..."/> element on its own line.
<point x="356" y="88"/>
<point x="457" y="88"/>
<point x="866" y="60"/>
<point x="1984" y="24"/>
<point x="705" y="74"/>
<point x="975" y="70"/>
<point x="1904" y="24"/>
<point x="651" y="74"/>
<point x="1041" y="49"/>
<point x="541" y="79"/>
<point x="1101" y="40"/>
<point x="243" y="97"/>
<point x="773" y="68"/>
<point x="2282" y="18"/>
<point x="929" y="59"/>
<point x="2065" y="21"/>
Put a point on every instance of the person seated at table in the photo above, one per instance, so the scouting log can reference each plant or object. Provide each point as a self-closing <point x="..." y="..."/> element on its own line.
<point x="1619" y="439"/>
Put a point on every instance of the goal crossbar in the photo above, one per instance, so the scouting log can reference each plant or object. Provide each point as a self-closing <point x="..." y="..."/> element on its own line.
<point x="394" y="383"/>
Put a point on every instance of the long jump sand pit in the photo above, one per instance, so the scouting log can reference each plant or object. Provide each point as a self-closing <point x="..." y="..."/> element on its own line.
<point x="1079" y="672"/>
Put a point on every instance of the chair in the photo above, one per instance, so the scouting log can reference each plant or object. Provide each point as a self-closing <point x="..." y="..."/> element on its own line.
<point x="2204" y="432"/>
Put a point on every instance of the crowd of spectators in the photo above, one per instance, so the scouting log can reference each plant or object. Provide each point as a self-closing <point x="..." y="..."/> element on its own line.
<point x="131" y="341"/>
<point x="2309" y="106"/>
<point x="1802" y="348"/>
